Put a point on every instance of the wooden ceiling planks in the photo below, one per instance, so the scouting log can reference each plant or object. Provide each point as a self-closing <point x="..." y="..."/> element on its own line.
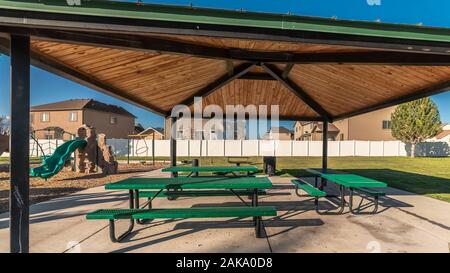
<point x="250" y="92"/>
<point x="342" y="89"/>
<point x="166" y="80"/>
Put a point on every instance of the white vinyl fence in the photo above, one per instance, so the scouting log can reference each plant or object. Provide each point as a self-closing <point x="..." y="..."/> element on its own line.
<point x="279" y="148"/>
<point x="238" y="148"/>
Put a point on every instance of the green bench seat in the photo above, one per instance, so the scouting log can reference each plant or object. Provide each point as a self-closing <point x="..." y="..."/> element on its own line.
<point x="176" y="213"/>
<point x="192" y="193"/>
<point x="308" y="188"/>
<point x="208" y="212"/>
<point x="300" y="183"/>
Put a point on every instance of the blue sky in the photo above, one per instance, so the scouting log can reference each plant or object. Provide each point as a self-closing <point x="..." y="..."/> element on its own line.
<point x="46" y="87"/>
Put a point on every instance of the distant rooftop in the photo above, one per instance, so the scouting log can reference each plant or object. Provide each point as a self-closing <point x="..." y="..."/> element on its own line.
<point x="281" y="130"/>
<point x="81" y="104"/>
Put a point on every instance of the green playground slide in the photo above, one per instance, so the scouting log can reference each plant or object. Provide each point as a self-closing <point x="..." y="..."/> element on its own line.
<point x="53" y="164"/>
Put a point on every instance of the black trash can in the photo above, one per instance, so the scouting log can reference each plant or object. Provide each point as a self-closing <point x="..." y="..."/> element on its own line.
<point x="195" y="164"/>
<point x="270" y="165"/>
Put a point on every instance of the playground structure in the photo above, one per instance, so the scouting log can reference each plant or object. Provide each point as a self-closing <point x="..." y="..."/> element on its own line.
<point x="90" y="152"/>
<point x="59" y="134"/>
<point x="141" y="150"/>
<point x="95" y="153"/>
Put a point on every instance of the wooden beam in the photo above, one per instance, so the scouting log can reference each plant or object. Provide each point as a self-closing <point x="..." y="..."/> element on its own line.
<point x="153" y="44"/>
<point x="220" y="82"/>
<point x="287" y="70"/>
<point x="53" y="66"/>
<point x="230" y="68"/>
<point x="298" y="91"/>
<point x="257" y="76"/>
<point x="432" y="90"/>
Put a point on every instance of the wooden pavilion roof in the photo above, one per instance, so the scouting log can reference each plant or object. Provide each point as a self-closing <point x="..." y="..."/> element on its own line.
<point x="310" y="71"/>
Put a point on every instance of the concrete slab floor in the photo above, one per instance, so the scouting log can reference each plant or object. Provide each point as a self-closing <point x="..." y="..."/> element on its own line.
<point x="407" y="223"/>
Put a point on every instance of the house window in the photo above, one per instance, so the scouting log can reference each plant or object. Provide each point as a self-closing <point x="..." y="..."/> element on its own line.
<point x="45" y="117"/>
<point x="179" y="134"/>
<point x="73" y="116"/>
<point x="32" y="118"/>
<point x="386" y="124"/>
<point x="113" y="120"/>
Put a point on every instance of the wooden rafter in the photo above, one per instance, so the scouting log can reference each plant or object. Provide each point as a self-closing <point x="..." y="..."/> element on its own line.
<point x="298" y="91"/>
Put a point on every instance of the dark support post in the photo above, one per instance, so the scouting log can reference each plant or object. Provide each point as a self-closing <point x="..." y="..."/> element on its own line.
<point x="324" y="150"/>
<point x="19" y="144"/>
<point x="153" y="148"/>
<point x="173" y="145"/>
<point x="128" y="150"/>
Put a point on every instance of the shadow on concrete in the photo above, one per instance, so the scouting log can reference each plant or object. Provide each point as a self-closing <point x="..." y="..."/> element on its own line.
<point x="191" y="227"/>
<point x="101" y="175"/>
<point x="49" y="210"/>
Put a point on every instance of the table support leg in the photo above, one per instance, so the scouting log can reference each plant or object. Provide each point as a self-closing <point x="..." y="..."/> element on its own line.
<point x="342" y="193"/>
<point x="375" y="202"/>
<point x="112" y="228"/>
<point x="257" y="220"/>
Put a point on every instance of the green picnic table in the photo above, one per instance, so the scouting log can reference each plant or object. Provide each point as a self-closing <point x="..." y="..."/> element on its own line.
<point x="352" y="182"/>
<point x="212" y="169"/>
<point x="138" y="187"/>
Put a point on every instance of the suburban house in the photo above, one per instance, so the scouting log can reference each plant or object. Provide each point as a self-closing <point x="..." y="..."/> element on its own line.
<point x="50" y="121"/>
<point x="312" y="131"/>
<point x="227" y="130"/>
<point x="374" y="126"/>
<point x="152" y="133"/>
<point x="138" y="128"/>
<point x="444" y="135"/>
<point x="279" y="133"/>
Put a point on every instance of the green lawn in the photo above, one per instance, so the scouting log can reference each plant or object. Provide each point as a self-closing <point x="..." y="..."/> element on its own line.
<point x="426" y="176"/>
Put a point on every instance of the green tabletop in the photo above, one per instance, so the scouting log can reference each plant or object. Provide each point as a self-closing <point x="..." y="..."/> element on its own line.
<point x="207" y="169"/>
<point x="348" y="180"/>
<point x="142" y="183"/>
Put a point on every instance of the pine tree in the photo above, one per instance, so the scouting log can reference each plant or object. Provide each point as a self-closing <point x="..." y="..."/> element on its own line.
<point x="416" y="121"/>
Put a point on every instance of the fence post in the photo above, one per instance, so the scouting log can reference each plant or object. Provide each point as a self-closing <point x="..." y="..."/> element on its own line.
<point x="128" y="150"/>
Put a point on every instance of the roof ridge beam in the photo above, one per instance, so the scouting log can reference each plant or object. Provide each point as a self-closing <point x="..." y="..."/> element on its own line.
<point x="298" y="91"/>
<point x="238" y="71"/>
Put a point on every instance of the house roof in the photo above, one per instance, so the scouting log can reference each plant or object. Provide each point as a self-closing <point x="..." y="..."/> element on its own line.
<point x="281" y="130"/>
<point x="158" y="57"/>
<point x="81" y="104"/>
<point x="150" y="130"/>
<point x="443" y="134"/>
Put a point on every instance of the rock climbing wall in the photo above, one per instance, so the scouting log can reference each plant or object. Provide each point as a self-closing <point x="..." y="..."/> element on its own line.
<point x="96" y="152"/>
<point x="86" y="157"/>
<point x="106" y="160"/>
